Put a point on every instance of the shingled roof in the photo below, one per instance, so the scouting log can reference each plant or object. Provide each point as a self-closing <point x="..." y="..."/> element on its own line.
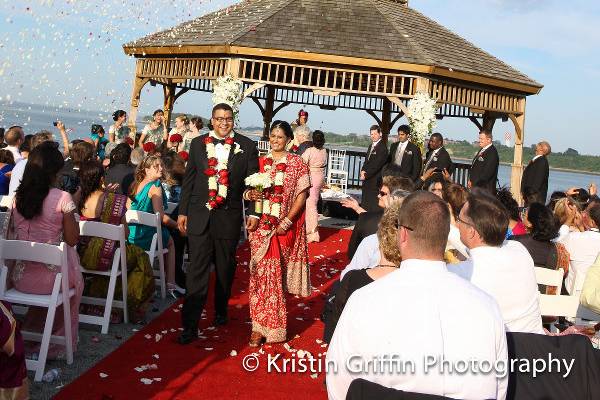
<point x="370" y="29"/>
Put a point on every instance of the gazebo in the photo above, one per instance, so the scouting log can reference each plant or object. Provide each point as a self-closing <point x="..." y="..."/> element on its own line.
<point x="371" y="55"/>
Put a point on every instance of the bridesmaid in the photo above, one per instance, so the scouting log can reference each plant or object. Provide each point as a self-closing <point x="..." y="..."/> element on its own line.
<point x="316" y="158"/>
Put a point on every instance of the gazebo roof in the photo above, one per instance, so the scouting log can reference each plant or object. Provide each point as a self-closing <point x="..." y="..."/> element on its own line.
<point x="372" y="33"/>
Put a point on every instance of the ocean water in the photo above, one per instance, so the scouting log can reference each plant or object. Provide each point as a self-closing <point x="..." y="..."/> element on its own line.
<point x="34" y="118"/>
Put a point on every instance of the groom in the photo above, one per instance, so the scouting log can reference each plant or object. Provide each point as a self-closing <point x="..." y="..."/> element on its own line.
<point x="212" y="217"/>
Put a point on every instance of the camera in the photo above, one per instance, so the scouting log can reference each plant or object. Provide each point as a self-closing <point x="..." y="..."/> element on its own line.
<point x="55" y="123"/>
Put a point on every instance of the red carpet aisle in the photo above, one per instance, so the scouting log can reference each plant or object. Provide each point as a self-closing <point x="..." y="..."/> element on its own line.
<point x="152" y="366"/>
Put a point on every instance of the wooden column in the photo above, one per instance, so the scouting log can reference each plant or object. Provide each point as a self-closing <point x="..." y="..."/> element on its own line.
<point x="169" y="100"/>
<point x="517" y="166"/>
<point x="386" y="119"/>
<point x="268" y="111"/>
<point x="489" y="120"/>
<point x="138" y="85"/>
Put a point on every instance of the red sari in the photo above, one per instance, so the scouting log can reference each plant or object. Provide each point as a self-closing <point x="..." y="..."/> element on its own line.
<point x="279" y="262"/>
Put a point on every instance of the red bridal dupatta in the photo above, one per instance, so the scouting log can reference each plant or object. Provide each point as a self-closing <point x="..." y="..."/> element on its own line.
<point x="279" y="262"/>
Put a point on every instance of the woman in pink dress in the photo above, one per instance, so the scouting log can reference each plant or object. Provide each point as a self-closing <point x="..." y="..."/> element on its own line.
<point x="44" y="214"/>
<point x="279" y="261"/>
<point x="316" y="159"/>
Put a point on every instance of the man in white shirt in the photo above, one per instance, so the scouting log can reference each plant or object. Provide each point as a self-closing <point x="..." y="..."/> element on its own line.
<point x="14" y="138"/>
<point x="583" y="248"/>
<point x="504" y="270"/>
<point x="19" y="169"/>
<point x="420" y="315"/>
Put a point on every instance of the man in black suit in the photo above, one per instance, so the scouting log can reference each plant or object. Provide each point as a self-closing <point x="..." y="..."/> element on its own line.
<point x="437" y="157"/>
<point x="371" y="170"/>
<point x="213" y="234"/>
<point x="405" y="158"/>
<point x="535" y="175"/>
<point x="484" y="168"/>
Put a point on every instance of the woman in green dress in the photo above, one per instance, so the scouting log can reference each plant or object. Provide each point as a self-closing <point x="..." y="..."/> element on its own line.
<point x="98" y="204"/>
<point x="146" y="194"/>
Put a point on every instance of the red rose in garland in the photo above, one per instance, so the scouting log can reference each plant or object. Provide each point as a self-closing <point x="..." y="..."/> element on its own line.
<point x="213" y="203"/>
<point x="220" y="200"/>
<point x="278" y="189"/>
<point x="229" y="141"/>
<point x="208" y="140"/>
<point x="213" y="162"/>
<point x="223" y="173"/>
<point x="210" y="172"/>
<point x="212" y="193"/>
<point x="268" y="161"/>
<point x="281" y="167"/>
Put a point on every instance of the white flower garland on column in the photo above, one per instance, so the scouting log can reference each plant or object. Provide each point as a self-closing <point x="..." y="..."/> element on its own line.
<point x="228" y="90"/>
<point x="421" y="118"/>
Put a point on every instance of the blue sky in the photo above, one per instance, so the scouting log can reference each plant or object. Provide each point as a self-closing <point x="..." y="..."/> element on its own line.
<point x="68" y="54"/>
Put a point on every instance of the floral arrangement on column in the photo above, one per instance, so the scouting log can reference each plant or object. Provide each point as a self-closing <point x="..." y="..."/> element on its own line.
<point x="421" y="118"/>
<point x="228" y="90"/>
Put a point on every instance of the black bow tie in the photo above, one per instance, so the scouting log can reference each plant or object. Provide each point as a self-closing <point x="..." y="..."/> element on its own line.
<point x="218" y="141"/>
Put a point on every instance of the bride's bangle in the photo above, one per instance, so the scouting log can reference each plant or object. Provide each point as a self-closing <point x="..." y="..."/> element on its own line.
<point x="285" y="224"/>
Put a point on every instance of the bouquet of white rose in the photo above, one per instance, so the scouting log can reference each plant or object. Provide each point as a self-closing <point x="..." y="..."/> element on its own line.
<point x="259" y="181"/>
<point x="422" y="109"/>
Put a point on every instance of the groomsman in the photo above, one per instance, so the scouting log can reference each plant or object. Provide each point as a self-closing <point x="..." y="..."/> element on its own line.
<point x="371" y="170"/>
<point x="535" y="175"/>
<point x="437" y="157"/>
<point x="484" y="168"/>
<point x="404" y="159"/>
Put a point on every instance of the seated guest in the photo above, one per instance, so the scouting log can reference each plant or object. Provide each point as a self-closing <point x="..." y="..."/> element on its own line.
<point x="7" y="163"/>
<point x="504" y="270"/>
<point x="568" y="216"/>
<point x="302" y="139"/>
<point x="19" y="169"/>
<point x="137" y="156"/>
<point x="120" y="172"/>
<point x="515" y="225"/>
<point x="367" y="221"/>
<point x="146" y="194"/>
<point x="389" y="261"/>
<point x="13" y="376"/>
<point x="45" y="214"/>
<point x="583" y="248"/>
<point x="25" y="147"/>
<point x="456" y="197"/>
<point x="98" y="204"/>
<point x="368" y="253"/>
<point x="452" y="319"/>
<point x="81" y="153"/>
<point x="173" y="176"/>
<point x="542" y="230"/>
<point x="14" y="138"/>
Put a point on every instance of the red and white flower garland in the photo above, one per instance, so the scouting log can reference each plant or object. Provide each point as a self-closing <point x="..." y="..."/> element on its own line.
<point x="217" y="173"/>
<point x="274" y="196"/>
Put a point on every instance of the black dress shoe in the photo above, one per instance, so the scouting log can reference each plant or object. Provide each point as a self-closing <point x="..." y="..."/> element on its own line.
<point x="220" y="320"/>
<point x="187" y="337"/>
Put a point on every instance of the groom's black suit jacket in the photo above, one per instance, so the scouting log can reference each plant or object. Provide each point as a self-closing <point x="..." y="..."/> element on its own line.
<point x="225" y="221"/>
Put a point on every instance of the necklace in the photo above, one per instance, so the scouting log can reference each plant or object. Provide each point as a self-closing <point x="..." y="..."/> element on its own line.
<point x="274" y="195"/>
<point x="217" y="173"/>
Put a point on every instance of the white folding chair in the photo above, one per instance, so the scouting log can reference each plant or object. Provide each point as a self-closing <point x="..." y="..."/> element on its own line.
<point x="263" y="147"/>
<point x="49" y="254"/>
<point x="119" y="267"/>
<point x="549" y="277"/>
<point x="156" y="247"/>
<point x="171" y="207"/>
<point x="6" y="201"/>
<point x="336" y="173"/>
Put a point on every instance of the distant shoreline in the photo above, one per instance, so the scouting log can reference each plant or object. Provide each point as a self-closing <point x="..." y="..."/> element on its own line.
<point x="575" y="171"/>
